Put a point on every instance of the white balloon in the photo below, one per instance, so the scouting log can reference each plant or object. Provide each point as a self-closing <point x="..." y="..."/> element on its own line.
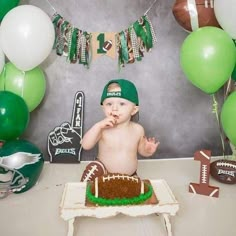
<point x="2" y="60"/>
<point x="225" y="12"/>
<point x="26" y="36"/>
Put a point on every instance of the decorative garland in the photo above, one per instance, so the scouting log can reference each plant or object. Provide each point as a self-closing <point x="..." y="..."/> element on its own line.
<point x="130" y="44"/>
<point x="119" y="201"/>
<point x="70" y="41"/>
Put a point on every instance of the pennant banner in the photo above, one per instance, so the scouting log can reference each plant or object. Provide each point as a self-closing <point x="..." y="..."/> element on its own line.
<point x="81" y="47"/>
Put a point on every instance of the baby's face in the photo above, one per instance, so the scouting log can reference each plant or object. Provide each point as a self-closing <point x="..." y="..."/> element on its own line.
<point x="120" y="108"/>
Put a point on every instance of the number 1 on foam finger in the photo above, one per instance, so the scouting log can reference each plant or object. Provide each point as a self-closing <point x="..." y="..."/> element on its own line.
<point x="78" y="112"/>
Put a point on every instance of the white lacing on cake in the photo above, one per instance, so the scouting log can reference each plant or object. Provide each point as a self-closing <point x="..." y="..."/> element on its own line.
<point x="96" y="187"/>
<point x="111" y="177"/>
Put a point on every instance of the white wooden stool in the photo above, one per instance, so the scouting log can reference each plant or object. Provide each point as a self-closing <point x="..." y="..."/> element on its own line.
<point x="73" y="204"/>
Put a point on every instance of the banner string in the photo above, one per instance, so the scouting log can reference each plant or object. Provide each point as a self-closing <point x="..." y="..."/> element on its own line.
<point x="146" y="12"/>
<point x="51" y="6"/>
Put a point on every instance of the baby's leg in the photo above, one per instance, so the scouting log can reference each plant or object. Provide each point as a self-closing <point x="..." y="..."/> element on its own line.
<point x="93" y="170"/>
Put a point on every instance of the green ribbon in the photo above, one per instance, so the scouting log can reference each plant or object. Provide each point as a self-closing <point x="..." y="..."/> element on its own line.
<point x="56" y="19"/>
<point x="88" y="38"/>
<point x="148" y="34"/>
<point x="124" y="48"/>
<point x="83" y="57"/>
<point x="143" y="30"/>
<point x="55" y="24"/>
<point x="73" y="47"/>
<point x="134" y="43"/>
<point x="60" y="45"/>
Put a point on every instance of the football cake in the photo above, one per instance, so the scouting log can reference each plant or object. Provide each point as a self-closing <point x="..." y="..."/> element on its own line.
<point x="118" y="189"/>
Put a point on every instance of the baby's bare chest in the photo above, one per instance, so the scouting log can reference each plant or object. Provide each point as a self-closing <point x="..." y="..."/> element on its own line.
<point x="117" y="138"/>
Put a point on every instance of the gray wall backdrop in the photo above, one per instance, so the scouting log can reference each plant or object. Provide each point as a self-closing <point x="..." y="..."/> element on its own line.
<point x="171" y="108"/>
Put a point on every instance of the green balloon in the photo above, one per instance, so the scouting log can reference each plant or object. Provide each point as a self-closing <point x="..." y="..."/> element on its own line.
<point x="6" y="6"/>
<point x="208" y="57"/>
<point x="14" y="116"/>
<point x="228" y="117"/>
<point x="30" y="85"/>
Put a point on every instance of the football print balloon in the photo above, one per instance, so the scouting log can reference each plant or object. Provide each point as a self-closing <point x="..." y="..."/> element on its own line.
<point x="193" y="14"/>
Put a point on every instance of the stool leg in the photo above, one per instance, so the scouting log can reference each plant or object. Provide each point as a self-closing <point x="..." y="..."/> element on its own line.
<point x="71" y="227"/>
<point x="167" y="224"/>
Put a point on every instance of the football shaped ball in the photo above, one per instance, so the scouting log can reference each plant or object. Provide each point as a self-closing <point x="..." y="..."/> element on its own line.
<point x="93" y="170"/>
<point x="193" y="16"/>
<point x="107" y="45"/>
<point x="224" y="171"/>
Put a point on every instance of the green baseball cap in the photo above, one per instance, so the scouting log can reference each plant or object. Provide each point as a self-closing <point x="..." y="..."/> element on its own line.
<point x="128" y="91"/>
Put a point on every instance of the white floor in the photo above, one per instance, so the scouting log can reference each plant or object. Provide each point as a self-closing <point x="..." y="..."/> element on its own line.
<point x="36" y="212"/>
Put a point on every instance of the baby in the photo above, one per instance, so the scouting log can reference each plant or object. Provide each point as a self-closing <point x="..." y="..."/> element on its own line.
<point x="119" y="138"/>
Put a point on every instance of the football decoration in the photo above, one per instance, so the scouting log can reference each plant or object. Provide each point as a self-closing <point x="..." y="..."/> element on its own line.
<point x="107" y="46"/>
<point x="224" y="171"/>
<point x="93" y="170"/>
<point x="203" y="188"/>
<point x="193" y="14"/>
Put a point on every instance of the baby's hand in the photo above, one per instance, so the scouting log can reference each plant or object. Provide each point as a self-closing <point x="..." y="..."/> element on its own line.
<point x="150" y="145"/>
<point x="108" y="122"/>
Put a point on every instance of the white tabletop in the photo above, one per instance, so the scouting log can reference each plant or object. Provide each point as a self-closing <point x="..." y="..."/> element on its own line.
<point x="36" y="212"/>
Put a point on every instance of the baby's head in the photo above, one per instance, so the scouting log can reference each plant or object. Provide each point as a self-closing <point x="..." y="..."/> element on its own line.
<point x="125" y="89"/>
<point x="120" y="88"/>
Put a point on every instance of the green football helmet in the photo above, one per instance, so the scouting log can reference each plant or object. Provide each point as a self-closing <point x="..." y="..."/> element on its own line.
<point x="21" y="163"/>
